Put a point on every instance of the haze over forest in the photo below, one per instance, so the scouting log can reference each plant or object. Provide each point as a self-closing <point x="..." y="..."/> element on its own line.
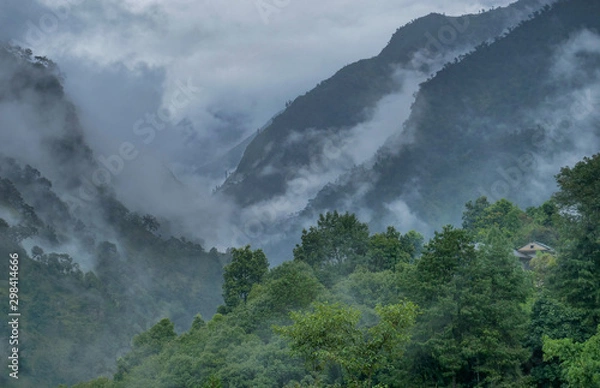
<point x="151" y="149"/>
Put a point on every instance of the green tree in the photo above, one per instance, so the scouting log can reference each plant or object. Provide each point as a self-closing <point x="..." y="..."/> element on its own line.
<point x="542" y="225"/>
<point x="291" y="285"/>
<point x="472" y="324"/>
<point x="213" y="382"/>
<point x="322" y="336"/>
<point x="146" y="344"/>
<point x="580" y="362"/>
<point x="246" y="269"/>
<point x="339" y="241"/>
<point x="546" y="214"/>
<point x="474" y="212"/>
<point x="101" y="382"/>
<point x="364" y="288"/>
<point x="382" y="344"/>
<point x="480" y="217"/>
<point x="578" y="270"/>
<point x="387" y="250"/>
<point x="550" y="318"/>
<point x="542" y="266"/>
<point x="329" y="336"/>
<point x="412" y="243"/>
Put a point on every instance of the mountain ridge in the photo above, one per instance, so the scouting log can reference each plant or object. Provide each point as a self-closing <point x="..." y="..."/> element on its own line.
<point x="342" y="101"/>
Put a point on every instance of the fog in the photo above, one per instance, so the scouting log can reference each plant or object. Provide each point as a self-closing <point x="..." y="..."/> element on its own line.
<point x="571" y="120"/>
<point x="158" y="91"/>
<point x="126" y="62"/>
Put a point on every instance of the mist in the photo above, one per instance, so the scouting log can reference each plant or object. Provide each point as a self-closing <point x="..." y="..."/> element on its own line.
<point x="137" y="111"/>
<point x="123" y="61"/>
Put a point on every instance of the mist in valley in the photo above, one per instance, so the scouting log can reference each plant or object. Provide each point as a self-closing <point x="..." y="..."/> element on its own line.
<point x="141" y="141"/>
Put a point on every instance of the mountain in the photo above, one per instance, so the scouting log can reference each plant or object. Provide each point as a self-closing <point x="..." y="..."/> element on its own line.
<point x="92" y="273"/>
<point x="496" y="122"/>
<point x="230" y="159"/>
<point x="303" y="134"/>
<point x="40" y="117"/>
<point x="517" y="101"/>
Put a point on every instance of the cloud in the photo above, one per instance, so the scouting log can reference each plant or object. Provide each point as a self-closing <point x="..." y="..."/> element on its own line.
<point x="567" y="124"/>
<point x="124" y="60"/>
<point x="12" y="218"/>
<point x="247" y="67"/>
<point x="400" y="215"/>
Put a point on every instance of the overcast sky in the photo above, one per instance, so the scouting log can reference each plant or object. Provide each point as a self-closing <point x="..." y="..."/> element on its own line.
<point x="243" y="58"/>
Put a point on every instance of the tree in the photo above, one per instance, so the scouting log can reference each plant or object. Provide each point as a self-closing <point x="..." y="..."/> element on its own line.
<point x="291" y="285"/>
<point x="150" y="223"/>
<point x="382" y="344"/>
<point x="321" y="337"/>
<point x="474" y="211"/>
<point x="101" y="382"/>
<point x="550" y="318"/>
<point x="542" y="266"/>
<point x="365" y="289"/>
<point x="472" y="324"/>
<point x="580" y="362"/>
<point x="544" y="215"/>
<point x="145" y="344"/>
<point x="578" y="195"/>
<point x="578" y="270"/>
<point x="543" y="224"/>
<point x="329" y="336"/>
<point x="339" y="241"/>
<point x="412" y="243"/>
<point x="388" y="249"/>
<point x="247" y="268"/>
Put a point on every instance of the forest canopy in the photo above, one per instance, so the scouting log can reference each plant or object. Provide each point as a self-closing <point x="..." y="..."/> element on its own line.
<point x="356" y="309"/>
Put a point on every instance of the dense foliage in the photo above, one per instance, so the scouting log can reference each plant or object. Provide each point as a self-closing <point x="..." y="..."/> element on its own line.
<point x="353" y="308"/>
<point x="360" y="310"/>
<point x="79" y="309"/>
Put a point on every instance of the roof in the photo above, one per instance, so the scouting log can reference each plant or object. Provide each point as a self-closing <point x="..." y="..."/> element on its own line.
<point x="534" y="246"/>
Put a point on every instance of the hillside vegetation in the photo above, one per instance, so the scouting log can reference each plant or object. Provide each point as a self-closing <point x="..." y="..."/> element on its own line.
<point x="92" y="272"/>
<point x="356" y="309"/>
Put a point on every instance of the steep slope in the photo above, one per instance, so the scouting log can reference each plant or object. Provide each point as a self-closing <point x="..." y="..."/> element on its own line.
<point x="495" y="123"/>
<point x="304" y="131"/>
<point x="92" y="272"/>
<point x="40" y="125"/>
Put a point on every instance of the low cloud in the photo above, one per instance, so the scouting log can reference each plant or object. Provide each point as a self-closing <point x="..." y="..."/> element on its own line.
<point x="124" y="60"/>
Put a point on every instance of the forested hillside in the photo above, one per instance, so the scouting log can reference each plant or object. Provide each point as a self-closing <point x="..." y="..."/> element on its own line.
<point x="497" y="122"/>
<point x="357" y="309"/>
<point x="93" y="272"/>
<point x="79" y="308"/>
<point x="302" y="133"/>
<point x="369" y="236"/>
